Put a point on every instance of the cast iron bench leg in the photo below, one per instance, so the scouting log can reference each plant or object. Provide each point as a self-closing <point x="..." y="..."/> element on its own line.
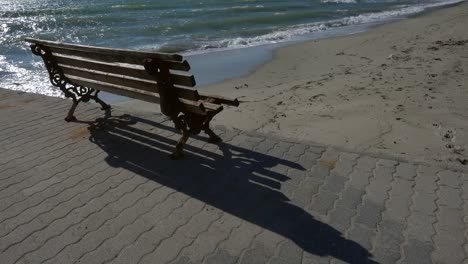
<point x="213" y="137"/>
<point x="180" y="124"/>
<point x="70" y="117"/>
<point x="98" y="100"/>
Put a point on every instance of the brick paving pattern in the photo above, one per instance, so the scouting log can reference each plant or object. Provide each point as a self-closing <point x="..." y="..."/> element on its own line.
<point x="103" y="190"/>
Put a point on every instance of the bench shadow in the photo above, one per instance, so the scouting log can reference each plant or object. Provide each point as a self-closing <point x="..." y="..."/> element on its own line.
<point x="237" y="181"/>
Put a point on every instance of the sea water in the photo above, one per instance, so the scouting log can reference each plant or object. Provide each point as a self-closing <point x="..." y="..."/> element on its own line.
<point x="192" y="28"/>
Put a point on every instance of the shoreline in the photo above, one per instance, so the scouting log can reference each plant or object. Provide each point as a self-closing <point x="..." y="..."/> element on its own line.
<point x="274" y="48"/>
<point x="407" y="95"/>
<point x="229" y="64"/>
<point x="268" y="51"/>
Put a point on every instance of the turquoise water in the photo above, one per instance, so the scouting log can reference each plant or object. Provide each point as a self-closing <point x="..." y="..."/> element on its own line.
<point x="188" y="27"/>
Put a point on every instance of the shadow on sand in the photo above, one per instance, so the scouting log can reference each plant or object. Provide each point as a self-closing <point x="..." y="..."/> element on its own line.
<point x="236" y="180"/>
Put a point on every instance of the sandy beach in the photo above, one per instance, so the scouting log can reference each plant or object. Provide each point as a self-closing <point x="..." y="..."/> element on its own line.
<point x="399" y="89"/>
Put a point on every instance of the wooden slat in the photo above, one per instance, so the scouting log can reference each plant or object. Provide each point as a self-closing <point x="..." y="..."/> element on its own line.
<point x="191" y="106"/>
<point x="173" y="65"/>
<point x="194" y="107"/>
<point x="219" y="99"/>
<point x="212" y="107"/>
<point x="114" y="68"/>
<point x="135" y="71"/>
<point x="138" y="84"/>
<point x="108" y="51"/>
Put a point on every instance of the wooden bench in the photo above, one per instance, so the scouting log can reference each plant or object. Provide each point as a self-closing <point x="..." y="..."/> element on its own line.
<point x="81" y="72"/>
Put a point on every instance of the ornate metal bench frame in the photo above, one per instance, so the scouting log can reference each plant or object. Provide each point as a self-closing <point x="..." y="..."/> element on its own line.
<point x="77" y="93"/>
<point x="188" y="123"/>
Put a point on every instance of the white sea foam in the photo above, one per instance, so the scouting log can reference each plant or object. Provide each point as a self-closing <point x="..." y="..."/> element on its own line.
<point x="4" y="28"/>
<point x="298" y="31"/>
<point x="27" y="80"/>
<point x="339" y="1"/>
<point x="240" y="7"/>
<point x="127" y="6"/>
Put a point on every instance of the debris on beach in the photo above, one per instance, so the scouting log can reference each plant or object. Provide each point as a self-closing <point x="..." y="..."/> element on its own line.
<point x="452" y="42"/>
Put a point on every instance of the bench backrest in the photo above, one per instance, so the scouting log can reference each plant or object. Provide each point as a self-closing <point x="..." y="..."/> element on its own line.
<point x="122" y="71"/>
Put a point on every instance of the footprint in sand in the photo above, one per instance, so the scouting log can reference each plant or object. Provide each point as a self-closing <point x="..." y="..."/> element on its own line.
<point x="446" y="134"/>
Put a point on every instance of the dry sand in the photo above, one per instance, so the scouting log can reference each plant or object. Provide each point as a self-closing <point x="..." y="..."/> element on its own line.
<point x="398" y="89"/>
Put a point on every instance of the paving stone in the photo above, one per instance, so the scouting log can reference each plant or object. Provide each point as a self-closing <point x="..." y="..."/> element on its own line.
<point x="377" y="190"/>
<point x="184" y="236"/>
<point x="389" y="237"/>
<point x="148" y="240"/>
<point x="280" y="149"/>
<point x="329" y="158"/>
<point x="387" y="163"/>
<point x="449" y="197"/>
<point x="240" y="238"/>
<point x="309" y="158"/>
<point x="56" y="228"/>
<point x="417" y="252"/>
<point x="323" y="202"/>
<point x="73" y="195"/>
<point x="398" y="205"/>
<point x="448" y="254"/>
<point x="350" y="198"/>
<point x="361" y="235"/>
<point x="207" y="241"/>
<point x="424" y="203"/>
<point x="319" y="172"/>
<point x="37" y="217"/>
<point x="359" y="179"/>
<point x="314" y="259"/>
<point x="344" y="166"/>
<point x="426" y="179"/>
<point x="366" y="163"/>
<point x="420" y="227"/>
<point x="449" y="178"/>
<point x="290" y="252"/>
<point x="278" y="261"/>
<point x="349" y="156"/>
<point x="96" y="230"/>
<point x="182" y="260"/>
<point x="449" y="226"/>
<point x="113" y="246"/>
<point x="221" y="256"/>
<point x="405" y="171"/>
<point x="340" y="218"/>
<point x="386" y="256"/>
<point x="295" y="152"/>
<point x="265" y="145"/>
<point x="369" y="215"/>
<point x="305" y="191"/>
<point x="334" y="183"/>
<point x="316" y="149"/>
<point x="256" y="255"/>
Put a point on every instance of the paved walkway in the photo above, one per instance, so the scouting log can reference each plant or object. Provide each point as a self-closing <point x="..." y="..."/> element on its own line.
<point x="106" y="192"/>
